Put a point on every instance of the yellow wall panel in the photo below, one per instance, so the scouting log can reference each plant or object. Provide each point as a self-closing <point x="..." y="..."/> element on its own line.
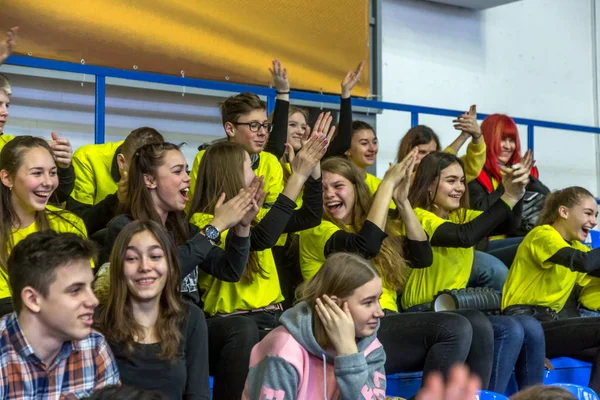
<point x="317" y="40"/>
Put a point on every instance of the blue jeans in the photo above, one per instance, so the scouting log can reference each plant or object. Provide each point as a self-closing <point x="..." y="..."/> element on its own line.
<point x="487" y="271"/>
<point x="585" y="313"/>
<point x="518" y="343"/>
<point x="504" y="249"/>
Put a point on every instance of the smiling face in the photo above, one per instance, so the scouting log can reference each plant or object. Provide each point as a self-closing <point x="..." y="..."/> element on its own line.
<point x="169" y="188"/>
<point x="296" y="130"/>
<point x="145" y="267"/>
<point x="579" y="220"/>
<point x="34" y="181"/>
<point x="365" y="308"/>
<point x="239" y="132"/>
<point x="67" y="311"/>
<point x="507" y="149"/>
<point x="338" y="196"/>
<point x="450" y="188"/>
<point x="363" y="148"/>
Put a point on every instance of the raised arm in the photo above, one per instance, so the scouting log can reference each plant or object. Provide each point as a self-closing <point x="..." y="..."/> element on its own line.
<point x="8" y="44"/>
<point x="341" y="142"/>
<point x="278" y="137"/>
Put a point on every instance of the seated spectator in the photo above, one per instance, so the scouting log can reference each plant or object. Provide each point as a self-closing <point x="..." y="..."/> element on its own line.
<point x="159" y="341"/>
<point x="101" y="171"/>
<point x="47" y="346"/>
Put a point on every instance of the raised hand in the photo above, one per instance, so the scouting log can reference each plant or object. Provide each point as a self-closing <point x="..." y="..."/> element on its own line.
<point x="280" y="78"/>
<point x="516" y="178"/>
<point x="467" y="123"/>
<point x="396" y="173"/>
<point x="63" y="152"/>
<point x="338" y="324"/>
<point x="8" y="44"/>
<point x="351" y="79"/>
<point x="401" y="192"/>
<point x="257" y="185"/>
<point x="230" y="213"/>
<point x="461" y="386"/>
<point x="313" y="148"/>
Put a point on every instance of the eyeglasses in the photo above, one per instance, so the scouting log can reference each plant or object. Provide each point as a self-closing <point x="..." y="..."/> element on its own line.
<point x="255" y="126"/>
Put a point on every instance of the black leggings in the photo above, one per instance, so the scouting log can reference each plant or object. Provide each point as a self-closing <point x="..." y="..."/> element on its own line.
<point x="425" y="341"/>
<point x="230" y="341"/>
<point x="572" y="337"/>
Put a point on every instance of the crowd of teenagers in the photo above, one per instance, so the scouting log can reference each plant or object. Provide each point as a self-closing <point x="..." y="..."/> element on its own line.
<point x="280" y="266"/>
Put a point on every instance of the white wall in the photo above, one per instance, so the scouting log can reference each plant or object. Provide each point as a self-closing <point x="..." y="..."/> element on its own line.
<point x="530" y="59"/>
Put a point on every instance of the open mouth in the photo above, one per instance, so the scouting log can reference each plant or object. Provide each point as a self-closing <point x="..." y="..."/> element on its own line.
<point x="332" y="207"/>
<point x="43" y="195"/>
<point x="586" y="230"/>
<point x="145" y="281"/>
<point x="184" y="193"/>
<point x="87" y="319"/>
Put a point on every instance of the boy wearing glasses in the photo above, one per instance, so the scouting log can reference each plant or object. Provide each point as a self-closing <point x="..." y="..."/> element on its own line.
<point x="245" y="122"/>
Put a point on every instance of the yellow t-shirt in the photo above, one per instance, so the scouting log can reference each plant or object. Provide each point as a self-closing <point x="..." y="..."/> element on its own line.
<point x="590" y="295"/>
<point x="474" y="160"/>
<point x="221" y="297"/>
<point x="533" y="280"/>
<point x="451" y="266"/>
<point x="288" y="169"/>
<point x="268" y="166"/>
<point x="93" y="179"/>
<point x="312" y="256"/>
<point x="64" y="222"/>
<point x="5" y="139"/>
<point x="373" y="183"/>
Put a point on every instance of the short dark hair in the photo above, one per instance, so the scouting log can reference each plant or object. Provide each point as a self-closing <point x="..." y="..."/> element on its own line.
<point x="236" y="106"/>
<point x="124" y="392"/>
<point x="138" y="138"/>
<point x="34" y="260"/>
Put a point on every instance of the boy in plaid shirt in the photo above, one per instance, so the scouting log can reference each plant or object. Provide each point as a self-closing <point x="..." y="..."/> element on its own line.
<point x="48" y="349"/>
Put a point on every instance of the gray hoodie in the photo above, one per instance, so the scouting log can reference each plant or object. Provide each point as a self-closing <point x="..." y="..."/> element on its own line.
<point x="289" y="364"/>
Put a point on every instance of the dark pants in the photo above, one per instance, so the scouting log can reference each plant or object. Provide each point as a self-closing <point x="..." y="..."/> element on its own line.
<point x="230" y="341"/>
<point x="424" y="341"/>
<point x="504" y="249"/>
<point x="573" y="337"/>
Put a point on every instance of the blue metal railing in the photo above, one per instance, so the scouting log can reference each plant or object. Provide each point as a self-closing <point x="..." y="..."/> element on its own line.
<point x="102" y="73"/>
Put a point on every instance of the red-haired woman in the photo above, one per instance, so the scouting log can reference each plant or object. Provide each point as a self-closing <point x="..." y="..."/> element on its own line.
<point x="503" y="148"/>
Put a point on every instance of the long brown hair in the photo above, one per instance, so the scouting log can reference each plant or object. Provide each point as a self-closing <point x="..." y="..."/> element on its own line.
<point x="415" y="136"/>
<point x="146" y="161"/>
<point x="340" y="275"/>
<point x="568" y="197"/>
<point x="11" y="159"/>
<point x="390" y="260"/>
<point x="221" y="171"/>
<point x="428" y="173"/>
<point x="115" y="319"/>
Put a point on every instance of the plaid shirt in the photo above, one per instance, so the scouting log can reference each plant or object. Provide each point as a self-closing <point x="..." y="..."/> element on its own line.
<point x="80" y="368"/>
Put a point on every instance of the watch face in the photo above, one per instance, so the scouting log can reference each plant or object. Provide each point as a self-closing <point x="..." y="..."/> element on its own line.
<point x="211" y="232"/>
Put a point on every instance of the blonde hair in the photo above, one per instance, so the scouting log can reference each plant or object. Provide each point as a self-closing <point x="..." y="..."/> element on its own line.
<point x="340" y="275"/>
<point x="568" y="197"/>
<point x="390" y="260"/>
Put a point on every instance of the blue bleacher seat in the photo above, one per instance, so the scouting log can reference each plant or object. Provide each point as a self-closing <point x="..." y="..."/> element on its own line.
<point x="404" y="384"/>
<point x="487" y="395"/>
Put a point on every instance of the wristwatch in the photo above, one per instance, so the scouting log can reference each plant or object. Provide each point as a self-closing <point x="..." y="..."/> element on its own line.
<point x="212" y="234"/>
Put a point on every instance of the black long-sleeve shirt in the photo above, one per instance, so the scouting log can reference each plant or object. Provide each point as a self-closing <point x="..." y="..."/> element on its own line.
<point x="339" y="144"/>
<point x="578" y="261"/>
<point x="185" y="378"/>
<point x="367" y="242"/>
<point x="282" y="218"/>
<point x="198" y="252"/>
<point x="66" y="183"/>
<point x="469" y="234"/>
